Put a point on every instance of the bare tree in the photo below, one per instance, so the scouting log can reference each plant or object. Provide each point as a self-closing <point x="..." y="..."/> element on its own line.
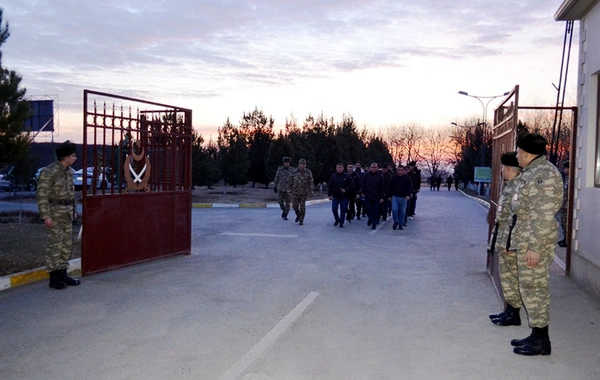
<point x="413" y="136"/>
<point x="435" y="150"/>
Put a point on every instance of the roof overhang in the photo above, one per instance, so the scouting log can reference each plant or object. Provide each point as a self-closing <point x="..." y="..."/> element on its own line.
<point x="571" y="10"/>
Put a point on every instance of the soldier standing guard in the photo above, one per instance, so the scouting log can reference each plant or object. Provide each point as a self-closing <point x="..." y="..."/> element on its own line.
<point x="538" y="196"/>
<point x="56" y="202"/>
<point x="302" y="188"/>
<point x="509" y="275"/>
<point x="282" y="183"/>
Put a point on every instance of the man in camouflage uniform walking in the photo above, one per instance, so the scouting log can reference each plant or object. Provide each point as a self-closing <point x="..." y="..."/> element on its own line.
<point x="56" y="202"/>
<point x="282" y="183"/>
<point x="509" y="277"/>
<point x="302" y="188"/>
<point x="537" y="198"/>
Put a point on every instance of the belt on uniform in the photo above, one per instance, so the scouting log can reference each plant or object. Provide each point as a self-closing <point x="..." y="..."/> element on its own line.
<point x="61" y="202"/>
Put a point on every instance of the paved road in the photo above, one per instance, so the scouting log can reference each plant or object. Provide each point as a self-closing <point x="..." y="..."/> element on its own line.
<point x="261" y="298"/>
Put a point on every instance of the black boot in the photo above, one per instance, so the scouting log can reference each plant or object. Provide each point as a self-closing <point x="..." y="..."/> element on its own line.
<point x="510" y="317"/>
<point x="66" y="279"/>
<point x="55" y="280"/>
<point x="538" y="343"/>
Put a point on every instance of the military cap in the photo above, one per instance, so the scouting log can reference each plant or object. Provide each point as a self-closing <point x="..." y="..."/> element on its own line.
<point x="412" y="163"/>
<point x="533" y="143"/>
<point x="65" y="149"/>
<point x="566" y="164"/>
<point x="509" y="159"/>
<point x="302" y="161"/>
<point x="287" y="159"/>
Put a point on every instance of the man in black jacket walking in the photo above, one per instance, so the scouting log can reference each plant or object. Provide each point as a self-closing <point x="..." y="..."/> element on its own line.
<point x="373" y="190"/>
<point x="340" y="185"/>
<point x="399" y="192"/>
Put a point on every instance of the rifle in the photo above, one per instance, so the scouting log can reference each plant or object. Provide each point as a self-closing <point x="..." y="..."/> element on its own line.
<point x="494" y="237"/>
<point x="514" y="221"/>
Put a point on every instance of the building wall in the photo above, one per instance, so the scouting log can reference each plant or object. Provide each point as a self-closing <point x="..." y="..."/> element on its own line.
<point x="585" y="259"/>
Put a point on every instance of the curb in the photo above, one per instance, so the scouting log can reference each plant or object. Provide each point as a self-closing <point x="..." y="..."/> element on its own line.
<point x="33" y="275"/>
<point x="38" y="274"/>
<point x="484" y="203"/>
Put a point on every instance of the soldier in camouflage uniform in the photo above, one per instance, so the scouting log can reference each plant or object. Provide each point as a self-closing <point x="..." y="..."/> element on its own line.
<point x="56" y="202"/>
<point x="537" y="198"/>
<point x="302" y="188"/>
<point x="509" y="279"/>
<point x="282" y="183"/>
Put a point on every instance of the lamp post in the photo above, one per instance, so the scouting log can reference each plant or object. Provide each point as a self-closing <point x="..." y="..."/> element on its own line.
<point x="484" y="122"/>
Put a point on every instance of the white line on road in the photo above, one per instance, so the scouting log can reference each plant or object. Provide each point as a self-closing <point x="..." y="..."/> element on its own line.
<point x="259" y="235"/>
<point x="255" y="352"/>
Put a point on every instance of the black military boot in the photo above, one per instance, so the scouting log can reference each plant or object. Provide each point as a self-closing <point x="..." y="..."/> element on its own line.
<point x="66" y="279"/>
<point x="55" y="280"/>
<point x="510" y="317"/>
<point x="538" y="343"/>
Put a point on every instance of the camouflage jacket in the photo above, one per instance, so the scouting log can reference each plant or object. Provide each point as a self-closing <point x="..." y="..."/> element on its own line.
<point x="538" y="196"/>
<point x="55" y="185"/>
<point x="504" y="214"/>
<point x="283" y="178"/>
<point x="302" y="183"/>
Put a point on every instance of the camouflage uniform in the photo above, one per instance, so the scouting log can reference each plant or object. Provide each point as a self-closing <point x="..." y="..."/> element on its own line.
<point x="56" y="200"/>
<point x="283" y="184"/>
<point x="509" y="278"/>
<point x="537" y="197"/>
<point x="302" y="188"/>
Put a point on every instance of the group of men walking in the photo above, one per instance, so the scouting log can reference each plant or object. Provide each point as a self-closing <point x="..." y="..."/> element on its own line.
<point x="293" y="186"/>
<point x="525" y="235"/>
<point x="354" y="192"/>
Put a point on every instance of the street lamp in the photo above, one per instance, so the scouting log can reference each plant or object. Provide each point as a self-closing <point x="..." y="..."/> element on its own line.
<point x="484" y="121"/>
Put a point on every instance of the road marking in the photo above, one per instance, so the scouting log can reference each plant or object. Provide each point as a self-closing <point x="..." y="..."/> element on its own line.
<point x="379" y="226"/>
<point x="259" y="235"/>
<point x="255" y="352"/>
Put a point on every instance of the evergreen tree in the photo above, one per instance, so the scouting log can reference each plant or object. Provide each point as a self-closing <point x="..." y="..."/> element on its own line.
<point x="233" y="154"/>
<point x="258" y="130"/>
<point x="280" y="147"/>
<point x="205" y="166"/>
<point x="14" y="111"/>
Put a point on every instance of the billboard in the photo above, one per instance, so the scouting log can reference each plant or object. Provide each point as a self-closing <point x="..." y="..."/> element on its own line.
<point x="42" y="118"/>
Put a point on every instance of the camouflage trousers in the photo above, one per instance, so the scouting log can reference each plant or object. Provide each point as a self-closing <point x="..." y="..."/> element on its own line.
<point x="509" y="278"/>
<point x="299" y="204"/>
<point x="534" y="288"/>
<point x="284" y="198"/>
<point x="60" y="244"/>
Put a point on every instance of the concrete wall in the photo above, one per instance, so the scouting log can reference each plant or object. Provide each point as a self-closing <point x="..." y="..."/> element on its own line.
<point x="585" y="260"/>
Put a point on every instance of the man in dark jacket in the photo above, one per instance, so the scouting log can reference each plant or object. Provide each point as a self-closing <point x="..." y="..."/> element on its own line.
<point x="340" y="185"/>
<point x="387" y="175"/>
<point x="352" y="196"/>
<point x="415" y="175"/>
<point x="373" y="190"/>
<point x="399" y="192"/>
<point x="360" y="172"/>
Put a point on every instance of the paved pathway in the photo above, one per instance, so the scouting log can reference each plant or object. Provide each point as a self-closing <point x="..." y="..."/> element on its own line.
<point x="261" y="298"/>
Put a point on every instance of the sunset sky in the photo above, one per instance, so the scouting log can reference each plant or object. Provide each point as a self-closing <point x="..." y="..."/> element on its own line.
<point x="383" y="62"/>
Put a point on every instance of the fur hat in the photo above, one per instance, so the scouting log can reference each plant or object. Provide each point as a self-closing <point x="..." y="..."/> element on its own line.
<point x="412" y="163"/>
<point x="509" y="159"/>
<point x="302" y="161"/>
<point x="65" y="149"/>
<point x="533" y="143"/>
<point x="287" y="159"/>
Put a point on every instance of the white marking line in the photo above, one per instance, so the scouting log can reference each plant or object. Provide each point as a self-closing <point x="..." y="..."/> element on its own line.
<point x="255" y="352"/>
<point x="259" y="235"/>
<point x="379" y="226"/>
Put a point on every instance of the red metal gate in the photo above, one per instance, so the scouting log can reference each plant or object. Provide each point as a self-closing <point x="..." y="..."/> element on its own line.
<point x="136" y="181"/>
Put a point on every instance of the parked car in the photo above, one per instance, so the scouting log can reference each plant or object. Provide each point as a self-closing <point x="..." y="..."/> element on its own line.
<point x="103" y="178"/>
<point x="4" y="184"/>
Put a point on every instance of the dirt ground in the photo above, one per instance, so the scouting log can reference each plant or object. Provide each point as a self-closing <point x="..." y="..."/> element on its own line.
<point x="23" y="244"/>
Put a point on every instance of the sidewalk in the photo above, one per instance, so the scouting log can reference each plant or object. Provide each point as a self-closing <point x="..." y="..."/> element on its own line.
<point x="263" y="299"/>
